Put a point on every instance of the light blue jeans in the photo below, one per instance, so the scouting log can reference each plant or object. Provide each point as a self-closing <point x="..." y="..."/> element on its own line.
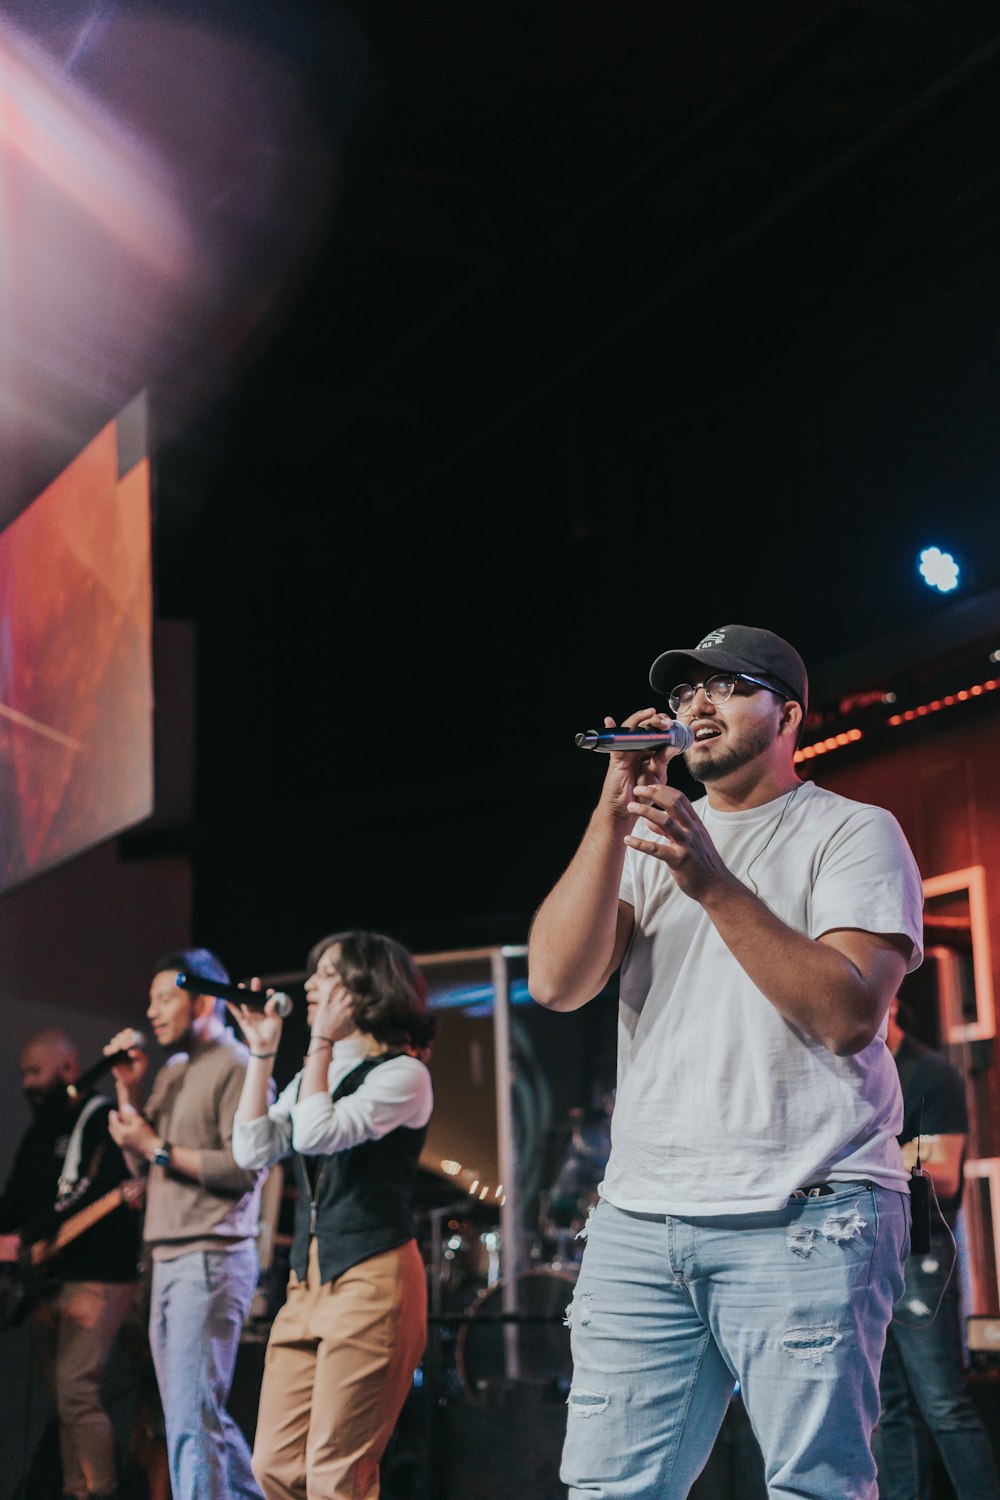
<point x="669" y="1313"/>
<point x="198" y="1304"/>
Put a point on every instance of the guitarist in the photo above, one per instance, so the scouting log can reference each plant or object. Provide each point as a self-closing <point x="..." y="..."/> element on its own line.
<point x="65" y="1162"/>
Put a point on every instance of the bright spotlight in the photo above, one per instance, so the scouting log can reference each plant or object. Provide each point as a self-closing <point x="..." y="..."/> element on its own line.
<point x="938" y="569"/>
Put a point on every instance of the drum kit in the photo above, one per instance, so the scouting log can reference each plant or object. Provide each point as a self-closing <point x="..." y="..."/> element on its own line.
<point x="466" y="1285"/>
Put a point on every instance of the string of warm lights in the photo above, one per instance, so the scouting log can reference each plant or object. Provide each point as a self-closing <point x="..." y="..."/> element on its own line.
<point x="907" y="716"/>
<point x="948" y="701"/>
<point x="823" y="747"/>
<point x="474" y="1185"/>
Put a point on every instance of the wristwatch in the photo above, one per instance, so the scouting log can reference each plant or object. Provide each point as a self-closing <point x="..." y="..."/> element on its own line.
<point x="161" y="1156"/>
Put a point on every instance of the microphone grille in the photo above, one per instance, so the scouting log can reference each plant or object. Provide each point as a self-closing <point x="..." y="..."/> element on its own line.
<point x="282" y="1003"/>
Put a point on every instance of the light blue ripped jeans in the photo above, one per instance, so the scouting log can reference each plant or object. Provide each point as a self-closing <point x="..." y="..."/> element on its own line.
<point x="668" y="1313"/>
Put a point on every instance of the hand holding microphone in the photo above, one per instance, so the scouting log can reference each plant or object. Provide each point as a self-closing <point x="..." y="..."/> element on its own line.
<point x="257" y="1013"/>
<point x="126" y="1054"/>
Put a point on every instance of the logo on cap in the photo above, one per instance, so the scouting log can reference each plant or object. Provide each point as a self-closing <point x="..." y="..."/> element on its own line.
<point x="715" y="638"/>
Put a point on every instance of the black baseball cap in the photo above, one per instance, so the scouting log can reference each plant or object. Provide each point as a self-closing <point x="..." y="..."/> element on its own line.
<point x="737" y="648"/>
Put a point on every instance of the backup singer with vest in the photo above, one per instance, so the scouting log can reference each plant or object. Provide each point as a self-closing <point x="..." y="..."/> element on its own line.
<point x="345" y="1344"/>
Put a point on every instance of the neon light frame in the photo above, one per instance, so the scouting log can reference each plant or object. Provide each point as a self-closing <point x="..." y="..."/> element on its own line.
<point x="972" y="880"/>
<point x="988" y="1168"/>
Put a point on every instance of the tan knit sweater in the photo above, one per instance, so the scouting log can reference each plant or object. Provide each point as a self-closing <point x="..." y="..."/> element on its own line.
<point x="192" y="1103"/>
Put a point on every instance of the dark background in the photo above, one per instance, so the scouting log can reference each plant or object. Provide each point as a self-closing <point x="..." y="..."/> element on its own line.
<point x="613" y="323"/>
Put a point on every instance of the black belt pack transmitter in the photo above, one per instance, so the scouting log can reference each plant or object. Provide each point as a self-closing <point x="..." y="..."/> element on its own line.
<point x="920" y="1212"/>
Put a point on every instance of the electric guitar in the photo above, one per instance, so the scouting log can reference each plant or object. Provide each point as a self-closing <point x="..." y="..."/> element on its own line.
<point x="27" y="1280"/>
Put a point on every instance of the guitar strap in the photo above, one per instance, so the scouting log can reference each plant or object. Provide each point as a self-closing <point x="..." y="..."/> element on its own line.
<point x="71" y="1163"/>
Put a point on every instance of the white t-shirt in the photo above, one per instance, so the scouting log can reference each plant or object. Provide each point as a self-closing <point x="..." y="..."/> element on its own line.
<point x="723" y="1106"/>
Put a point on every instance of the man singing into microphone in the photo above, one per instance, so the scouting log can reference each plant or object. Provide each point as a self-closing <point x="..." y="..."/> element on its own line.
<point x="202" y="1219"/>
<point x="753" y="1217"/>
<point x="66" y="1163"/>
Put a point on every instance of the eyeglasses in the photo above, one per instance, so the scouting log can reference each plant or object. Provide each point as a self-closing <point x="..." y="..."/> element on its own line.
<point x="717" y="689"/>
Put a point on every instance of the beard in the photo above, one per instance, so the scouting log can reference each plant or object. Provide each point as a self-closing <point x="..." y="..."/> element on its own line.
<point x="742" y="746"/>
<point x="48" y="1101"/>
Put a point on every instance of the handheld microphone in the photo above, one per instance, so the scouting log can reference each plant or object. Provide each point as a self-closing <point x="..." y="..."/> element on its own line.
<point x="677" y="737"/>
<point x="198" y="984"/>
<point x="102" y="1066"/>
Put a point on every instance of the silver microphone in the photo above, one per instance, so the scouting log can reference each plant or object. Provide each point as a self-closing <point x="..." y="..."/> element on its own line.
<point x="677" y="737"/>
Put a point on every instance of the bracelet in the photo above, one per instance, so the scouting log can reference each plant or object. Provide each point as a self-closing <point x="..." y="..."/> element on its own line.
<point x="328" y="1039"/>
<point x="263" y="1054"/>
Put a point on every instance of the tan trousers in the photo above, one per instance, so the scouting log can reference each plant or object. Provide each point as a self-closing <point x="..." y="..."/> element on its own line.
<point x="340" y="1361"/>
<point x="73" y="1334"/>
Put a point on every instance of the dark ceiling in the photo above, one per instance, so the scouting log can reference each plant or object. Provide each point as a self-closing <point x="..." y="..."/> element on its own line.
<point x="622" y="321"/>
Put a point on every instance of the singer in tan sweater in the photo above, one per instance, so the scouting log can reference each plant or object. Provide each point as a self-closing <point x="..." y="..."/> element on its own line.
<point x="201" y="1222"/>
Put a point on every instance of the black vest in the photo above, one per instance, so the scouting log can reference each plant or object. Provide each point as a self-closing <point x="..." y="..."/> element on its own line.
<point x="357" y="1203"/>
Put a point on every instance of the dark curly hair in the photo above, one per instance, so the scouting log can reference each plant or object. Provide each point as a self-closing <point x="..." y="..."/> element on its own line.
<point x="391" y="997"/>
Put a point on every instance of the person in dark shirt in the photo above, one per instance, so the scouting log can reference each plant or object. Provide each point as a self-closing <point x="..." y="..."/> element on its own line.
<point x="66" y="1163"/>
<point x="922" y="1381"/>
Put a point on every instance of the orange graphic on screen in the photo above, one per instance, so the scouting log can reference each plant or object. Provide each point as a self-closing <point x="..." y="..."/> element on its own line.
<point x="76" y="692"/>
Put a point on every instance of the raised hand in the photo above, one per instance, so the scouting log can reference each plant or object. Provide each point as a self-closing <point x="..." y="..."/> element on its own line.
<point x="261" y="1028"/>
<point x="628" y="770"/>
<point x="129" y="1074"/>
<point x="130" y="1130"/>
<point x="333" y="1016"/>
<point x="689" y="851"/>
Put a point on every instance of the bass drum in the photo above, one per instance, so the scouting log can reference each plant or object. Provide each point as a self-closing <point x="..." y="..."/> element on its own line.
<point x="542" y="1337"/>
